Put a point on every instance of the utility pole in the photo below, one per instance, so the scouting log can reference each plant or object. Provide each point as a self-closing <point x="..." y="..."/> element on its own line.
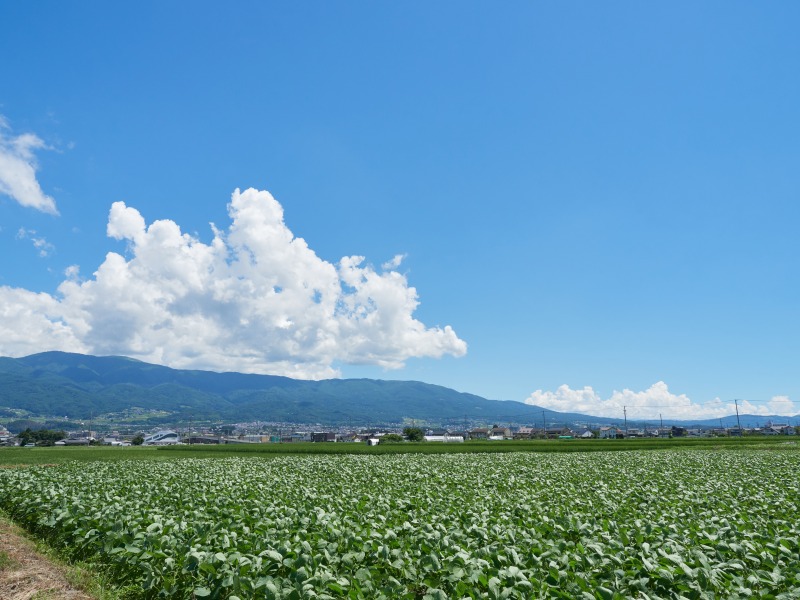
<point x="625" y="415"/>
<point x="544" y="426"/>
<point x="738" y="425"/>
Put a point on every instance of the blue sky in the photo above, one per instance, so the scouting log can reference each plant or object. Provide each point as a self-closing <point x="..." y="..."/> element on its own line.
<point x="586" y="206"/>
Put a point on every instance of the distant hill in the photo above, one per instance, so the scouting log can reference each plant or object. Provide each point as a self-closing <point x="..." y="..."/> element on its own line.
<point x="78" y="386"/>
<point x="746" y="421"/>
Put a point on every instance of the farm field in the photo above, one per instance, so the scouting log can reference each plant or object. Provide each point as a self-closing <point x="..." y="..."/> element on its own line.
<point x="57" y="455"/>
<point x="687" y="523"/>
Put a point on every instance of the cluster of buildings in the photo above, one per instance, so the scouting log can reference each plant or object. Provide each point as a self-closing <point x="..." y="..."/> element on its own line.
<point x="230" y="435"/>
<point x="374" y="436"/>
<point x="5" y="437"/>
<point x="75" y="438"/>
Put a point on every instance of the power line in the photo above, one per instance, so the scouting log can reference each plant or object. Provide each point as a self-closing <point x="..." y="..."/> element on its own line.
<point x="690" y="404"/>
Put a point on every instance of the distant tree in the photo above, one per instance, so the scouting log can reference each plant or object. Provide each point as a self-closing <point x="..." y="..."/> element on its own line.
<point x="41" y="437"/>
<point x="391" y="438"/>
<point x="138" y="439"/>
<point x="414" y="434"/>
<point x="26" y="436"/>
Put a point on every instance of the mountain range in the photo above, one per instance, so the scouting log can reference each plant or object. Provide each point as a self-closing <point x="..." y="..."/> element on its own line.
<point x="79" y="387"/>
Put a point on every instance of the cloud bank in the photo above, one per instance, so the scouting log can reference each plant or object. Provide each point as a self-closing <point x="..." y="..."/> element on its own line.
<point x="650" y="403"/>
<point x="18" y="170"/>
<point x="255" y="299"/>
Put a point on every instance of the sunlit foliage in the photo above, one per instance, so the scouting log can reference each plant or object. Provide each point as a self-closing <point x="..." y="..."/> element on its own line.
<point x="659" y="524"/>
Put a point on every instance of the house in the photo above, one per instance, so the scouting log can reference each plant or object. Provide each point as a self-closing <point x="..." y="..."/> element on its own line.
<point x="553" y="433"/>
<point x="323" y="436"/>
<point x="779" y="429"/>
<point x="523" y="433"/>
<point x="479" y="433"/>
<point x="610" y="433"/>
<point x="500" y="433"/>
<point x="696" y="432"/>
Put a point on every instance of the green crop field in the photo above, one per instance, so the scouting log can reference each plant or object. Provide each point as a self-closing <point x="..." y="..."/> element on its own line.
<point x="689" y="523"/>
<point x="479" y="446"/>
<point x="61" y="454"/>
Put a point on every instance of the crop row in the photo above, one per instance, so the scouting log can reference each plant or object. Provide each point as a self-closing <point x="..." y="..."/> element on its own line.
<point x="659" y="524"/>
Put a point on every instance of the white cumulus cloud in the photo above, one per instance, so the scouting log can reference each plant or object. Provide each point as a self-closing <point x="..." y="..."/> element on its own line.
<point x="254" y="299"/>
<point x="18" y="169"/>
<point x="652" y="402"/>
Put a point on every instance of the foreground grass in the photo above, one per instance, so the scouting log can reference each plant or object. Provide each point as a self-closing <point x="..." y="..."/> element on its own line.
<point x="31" y="568"/>
<point x="6" y="562"/>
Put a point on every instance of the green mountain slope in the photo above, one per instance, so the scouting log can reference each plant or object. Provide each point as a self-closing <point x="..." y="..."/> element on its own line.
<point x="78" y="386"/>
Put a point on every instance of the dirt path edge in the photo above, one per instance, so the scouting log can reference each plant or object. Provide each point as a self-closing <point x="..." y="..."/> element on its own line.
<point x="26" y="574"/>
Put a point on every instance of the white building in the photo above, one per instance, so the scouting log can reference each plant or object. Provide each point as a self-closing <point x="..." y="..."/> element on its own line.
<point x="164" y="437"/>
<point x="444" y="438"/>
